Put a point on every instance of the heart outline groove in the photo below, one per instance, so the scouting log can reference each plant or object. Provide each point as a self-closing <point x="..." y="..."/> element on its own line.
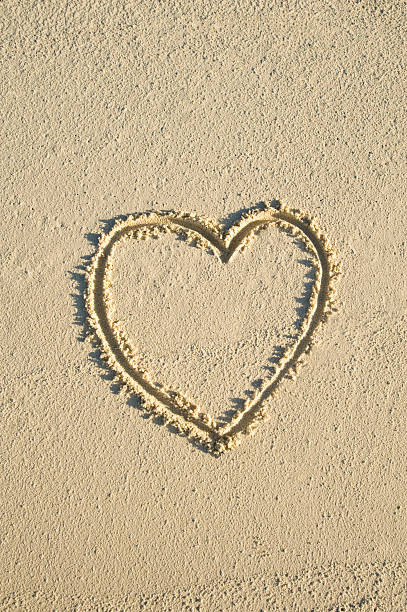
<point x="120" y="354"/>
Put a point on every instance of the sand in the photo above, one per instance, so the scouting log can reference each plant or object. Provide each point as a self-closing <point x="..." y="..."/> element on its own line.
<point x="128" y="479"/>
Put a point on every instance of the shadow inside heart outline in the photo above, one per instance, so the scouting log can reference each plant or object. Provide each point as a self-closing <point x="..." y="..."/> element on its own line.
<point x="121" y="355"/>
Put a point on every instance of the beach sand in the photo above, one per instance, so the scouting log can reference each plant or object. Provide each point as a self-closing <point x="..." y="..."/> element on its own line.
<point x="112" y="111"/>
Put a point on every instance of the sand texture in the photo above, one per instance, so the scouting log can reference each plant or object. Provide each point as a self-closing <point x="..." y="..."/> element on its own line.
<point x="203" y="238"/>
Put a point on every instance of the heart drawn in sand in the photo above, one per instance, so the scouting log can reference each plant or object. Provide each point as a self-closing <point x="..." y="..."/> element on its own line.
<point x="121" y="355"/>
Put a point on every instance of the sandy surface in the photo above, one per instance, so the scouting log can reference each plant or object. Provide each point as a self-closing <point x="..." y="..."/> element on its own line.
<point x="118" y="108"/>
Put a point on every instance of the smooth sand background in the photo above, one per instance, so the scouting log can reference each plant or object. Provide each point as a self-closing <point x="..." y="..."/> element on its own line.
<point x="119" y="107"/>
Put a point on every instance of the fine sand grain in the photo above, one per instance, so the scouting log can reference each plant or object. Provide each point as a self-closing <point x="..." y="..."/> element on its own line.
<point x="162" y="287"/>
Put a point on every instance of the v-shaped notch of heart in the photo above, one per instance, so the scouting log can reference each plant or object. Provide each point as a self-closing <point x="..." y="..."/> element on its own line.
<point x="121" y="355"/>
